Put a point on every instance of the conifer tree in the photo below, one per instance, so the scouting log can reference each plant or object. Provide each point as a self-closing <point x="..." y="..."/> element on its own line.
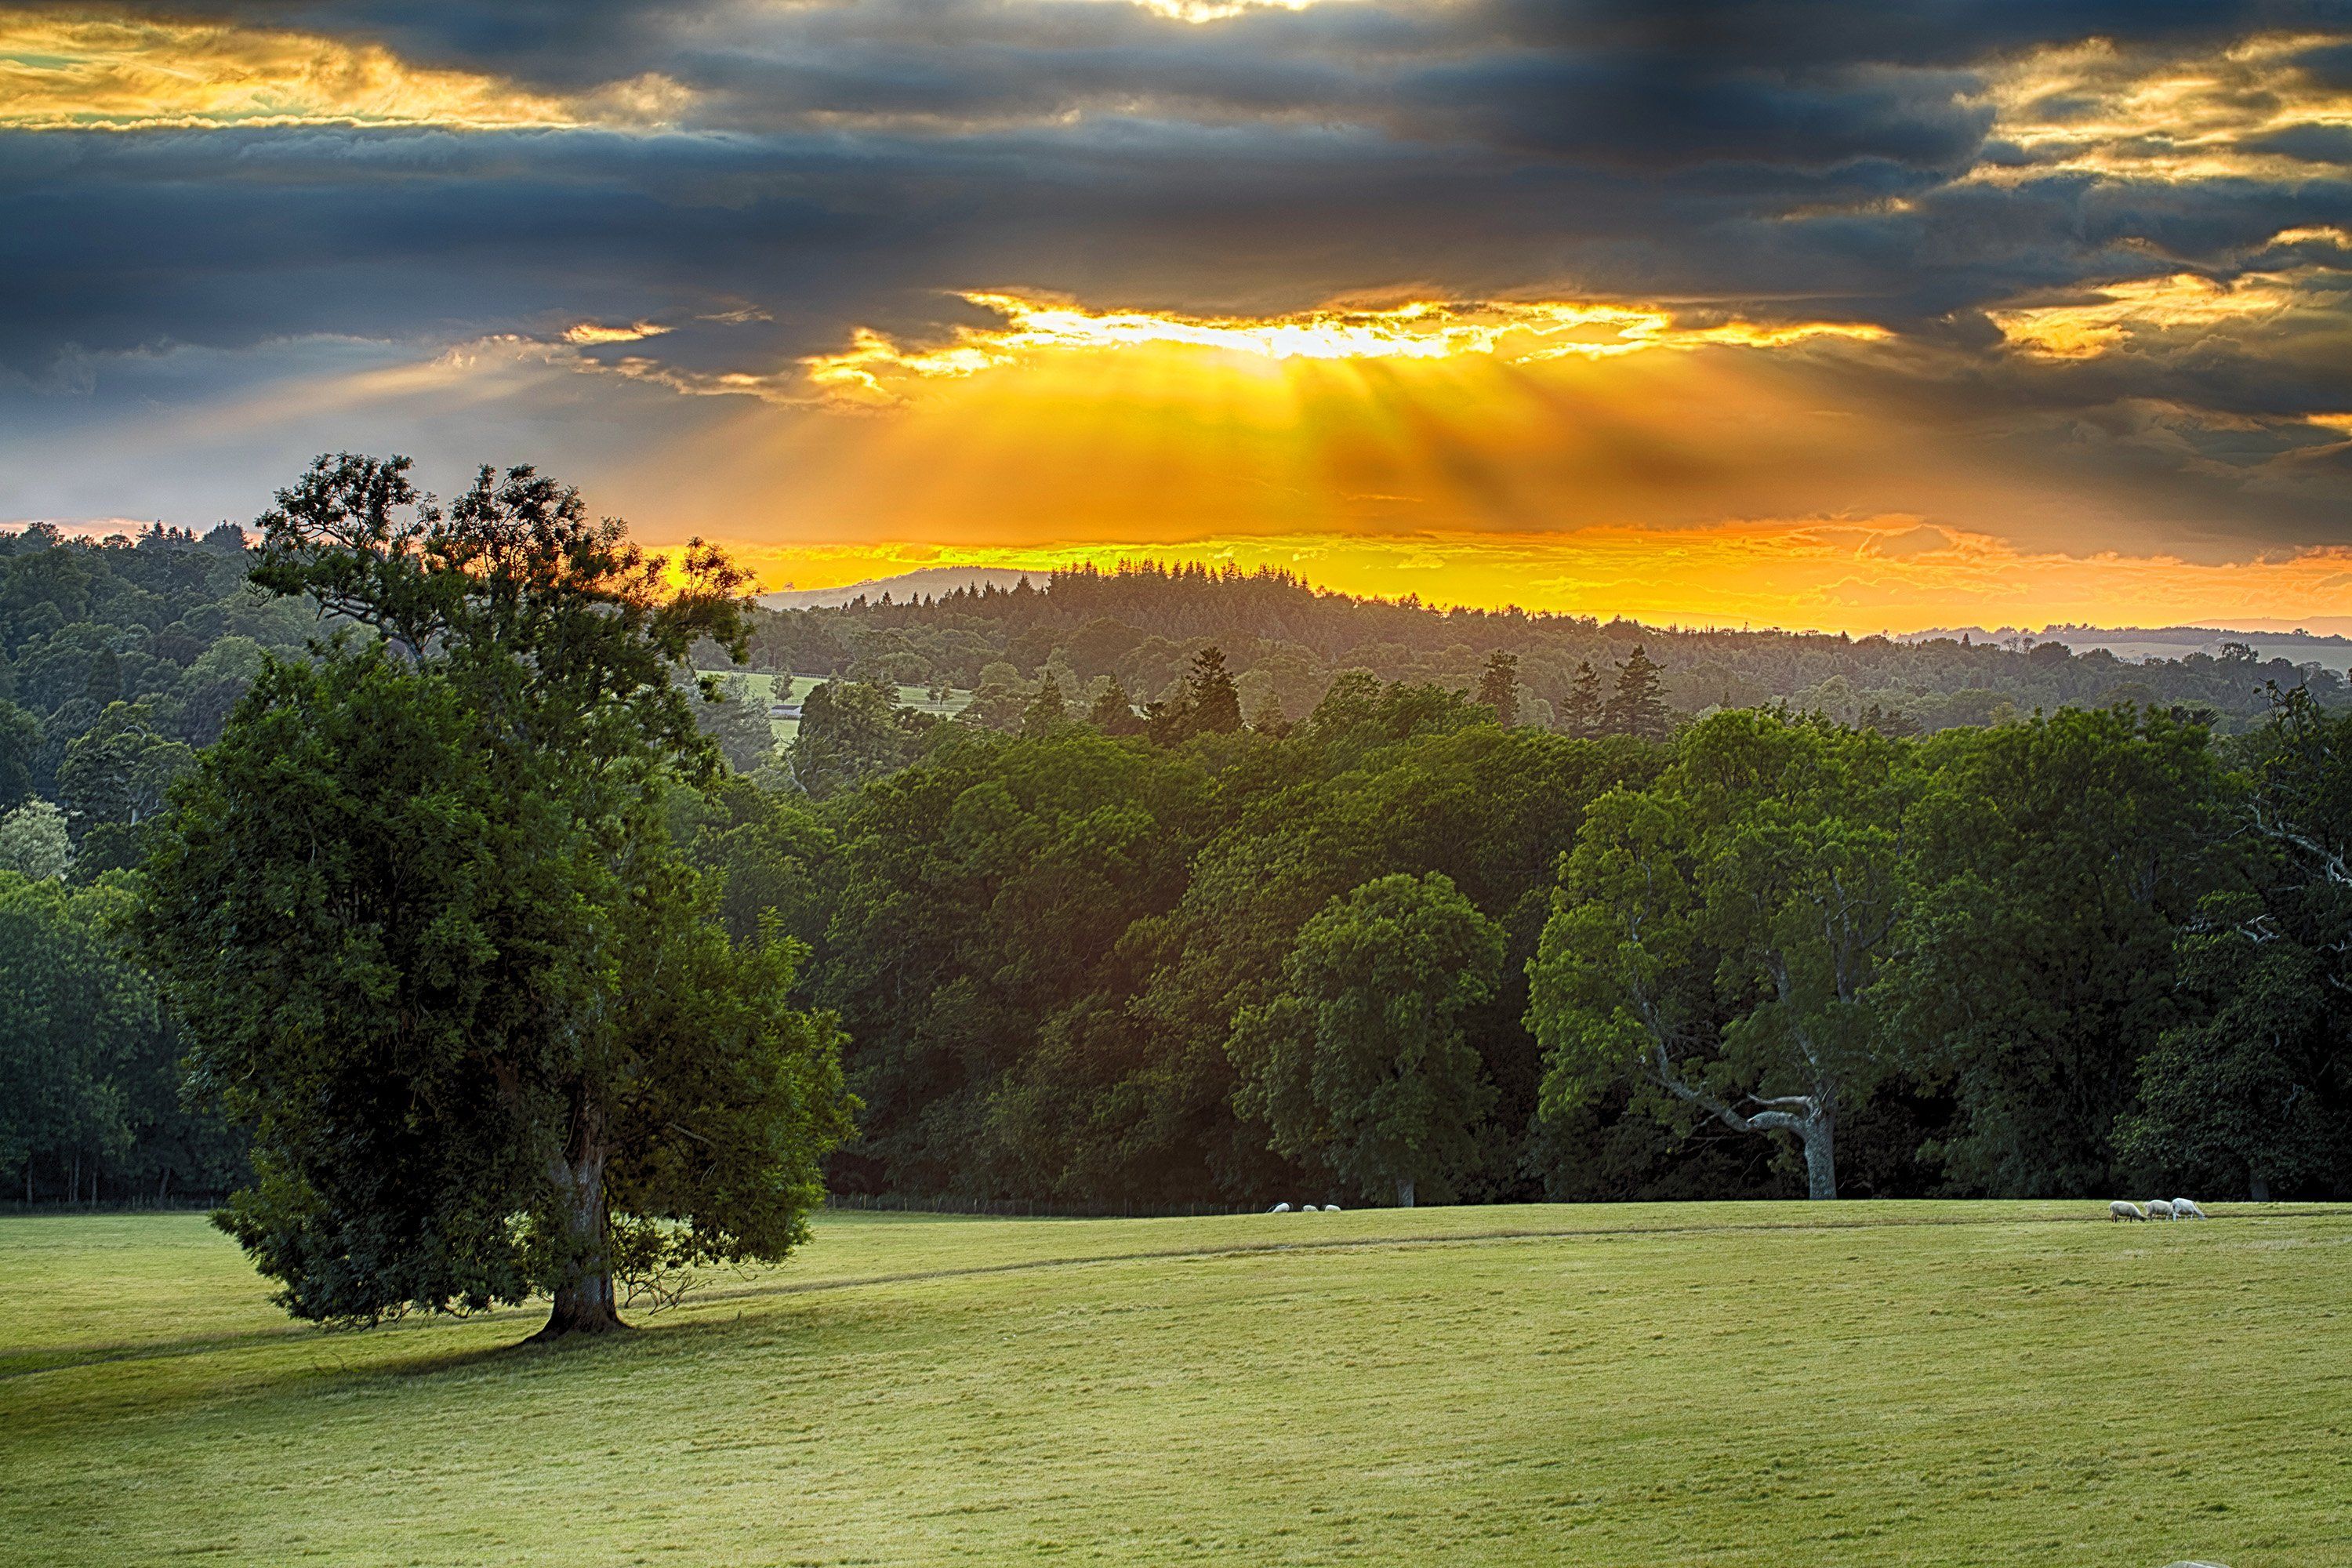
<point x="1114" y="710"/>
<point x="1046" y="712"/>
<point x="1498" y="688"/>
<point x="1636" y="706"/>
<point x="1216" y="706"/>
<point x="1583" y="713"/>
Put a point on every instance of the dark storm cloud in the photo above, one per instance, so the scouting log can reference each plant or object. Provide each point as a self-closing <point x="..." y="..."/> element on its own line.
<point x="829" y="165"/>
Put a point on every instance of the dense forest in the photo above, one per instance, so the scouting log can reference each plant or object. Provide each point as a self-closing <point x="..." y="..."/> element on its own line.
<point x="1222" y="890"/>
<point x="1142" y="625"/>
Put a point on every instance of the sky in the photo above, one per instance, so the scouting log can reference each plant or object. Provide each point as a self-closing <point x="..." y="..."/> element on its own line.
<point x="1799" y="313"/>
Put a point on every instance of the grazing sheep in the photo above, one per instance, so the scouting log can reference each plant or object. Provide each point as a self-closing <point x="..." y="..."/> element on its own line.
<point x="2158" y="1209"/>
<point x="1306" y="1208"/>
<point x="1279" y="1209"/>
<point x="2186" y="1208"/>
<point x="2123" y="1208"/>
<point x="1330" y="1208"/>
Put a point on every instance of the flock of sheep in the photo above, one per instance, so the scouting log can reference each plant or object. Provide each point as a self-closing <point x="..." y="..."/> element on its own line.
<point x="1304" y="1208"/>
<point x="2178" y="1208"/>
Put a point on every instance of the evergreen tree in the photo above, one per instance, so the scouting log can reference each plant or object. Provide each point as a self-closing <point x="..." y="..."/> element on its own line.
<point x="1114" y="710"/>
<point x="1636" y="706"/>
<point x="1582" y="712"/>
<point x="1498" y="688"/>
<point x="1046" y="712"/>
<point x="1215" y="705"/>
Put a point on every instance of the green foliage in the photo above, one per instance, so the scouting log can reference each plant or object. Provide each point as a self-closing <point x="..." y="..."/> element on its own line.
<point x="89" y="1082"/>
<point x="1636" y="706"/>
<point x="20" y="748"/>
<point x="1045" y="712"/>
<point x="1498" y="688"/>
<point x="2249" y="1097"/>
<point x="117" y="773"/>
<point x="851" y="731"/>
<point x="34" y="842"/>
<point x="1209" y="704"/>
<point x="733" y="716"/>
<point x="2049" y="866"/>
<point x="431" y="940"/>
<point x="1719" y="934"/>
<point x="1113" y="711"/>
<point x="1358" y="1063"/>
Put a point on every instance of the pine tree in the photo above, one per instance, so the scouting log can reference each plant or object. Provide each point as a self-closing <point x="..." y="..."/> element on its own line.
<point x="1215" y="706"/>
<point x="1581" y="714"/>
<point x="1046" y="712"/>
<point x="1636" y="708"/>
<point x="1498" y="688"/>
<point x="1114" y="710"/>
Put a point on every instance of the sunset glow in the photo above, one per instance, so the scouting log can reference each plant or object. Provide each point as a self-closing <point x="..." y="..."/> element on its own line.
<point x="1889" y="324"/>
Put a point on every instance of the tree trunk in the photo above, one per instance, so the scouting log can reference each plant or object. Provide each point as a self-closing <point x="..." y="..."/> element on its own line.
<point x="583" y="1302"/>
<point x="2258" y="1188"/>
<point x="1404" y="1193"/>
<point x="1820" y="1134"/>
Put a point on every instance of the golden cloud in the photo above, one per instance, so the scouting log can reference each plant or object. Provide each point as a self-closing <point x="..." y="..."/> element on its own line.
<point x="589" y="333"/>
<point x="2091" y="108"/>
<point x="2119" y="312"/>
<point x="874" y="367"/>
<point x="71" y="71"/>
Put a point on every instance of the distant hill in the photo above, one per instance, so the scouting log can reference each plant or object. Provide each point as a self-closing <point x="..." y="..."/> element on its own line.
<point x="1285" y="642"/>
<point x="2303" y="645"/>
<point x="934" y="582"/>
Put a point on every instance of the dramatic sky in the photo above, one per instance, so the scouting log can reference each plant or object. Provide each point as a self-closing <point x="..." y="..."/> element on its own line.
<point x="1851" y="315"/>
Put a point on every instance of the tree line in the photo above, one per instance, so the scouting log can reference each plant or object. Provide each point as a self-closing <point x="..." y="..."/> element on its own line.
<point x="482" y="960"/>
<point x="1402" y="947"/>
<point x="1142" y="624"/>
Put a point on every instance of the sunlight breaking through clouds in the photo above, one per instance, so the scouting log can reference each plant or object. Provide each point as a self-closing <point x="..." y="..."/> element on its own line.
<point x="875" y="367"/>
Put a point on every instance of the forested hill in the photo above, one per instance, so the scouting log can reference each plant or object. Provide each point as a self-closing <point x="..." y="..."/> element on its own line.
<point x="1285" y="640"/>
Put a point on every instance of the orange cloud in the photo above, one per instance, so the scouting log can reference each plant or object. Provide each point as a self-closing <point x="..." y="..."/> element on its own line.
<point x="67" y="70"/>
<point x="2119" y="311"/>
<point x="876" y="369"/>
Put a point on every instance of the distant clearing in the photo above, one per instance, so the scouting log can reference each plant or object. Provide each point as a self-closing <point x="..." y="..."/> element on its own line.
<point x="1721" y="1384"/>
<point x="798" y="687"/>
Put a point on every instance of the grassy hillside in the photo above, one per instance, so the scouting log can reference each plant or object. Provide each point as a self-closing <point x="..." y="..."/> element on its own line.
<point x="1914" y="1384"/>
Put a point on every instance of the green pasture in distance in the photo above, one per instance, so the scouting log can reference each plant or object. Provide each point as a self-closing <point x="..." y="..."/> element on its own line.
<point x="1754" y="1385"/>
<point x="798" y="687"/>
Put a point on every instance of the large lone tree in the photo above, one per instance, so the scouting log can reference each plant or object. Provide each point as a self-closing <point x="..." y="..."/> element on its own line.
<point x="429" y="936"/>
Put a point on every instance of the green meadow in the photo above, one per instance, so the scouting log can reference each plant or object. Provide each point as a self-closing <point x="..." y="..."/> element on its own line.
<point x="765" y="686"/>
<point x="1720" y="1383"/>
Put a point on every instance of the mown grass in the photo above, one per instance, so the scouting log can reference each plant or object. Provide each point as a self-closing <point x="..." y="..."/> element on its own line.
<point x="1916" y="1383"/>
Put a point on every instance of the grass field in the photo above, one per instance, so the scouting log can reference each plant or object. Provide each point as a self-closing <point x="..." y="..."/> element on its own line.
<point x="1915" y="1384"/>
<point x="798" y="687"/>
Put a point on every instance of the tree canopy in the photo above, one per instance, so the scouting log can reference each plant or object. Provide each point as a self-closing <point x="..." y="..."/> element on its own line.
<point x="433" y="943"/>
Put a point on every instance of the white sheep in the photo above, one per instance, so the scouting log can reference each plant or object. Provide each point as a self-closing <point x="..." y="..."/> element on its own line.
<point x="2123" y="1208"/>
<point x="1306" y="1208"/>
<point x="2186" y="1208"/>
<point x="2158" y="1209"/>
<point x="1330" y="1208"/>
<point x="1279" y="1209"/>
